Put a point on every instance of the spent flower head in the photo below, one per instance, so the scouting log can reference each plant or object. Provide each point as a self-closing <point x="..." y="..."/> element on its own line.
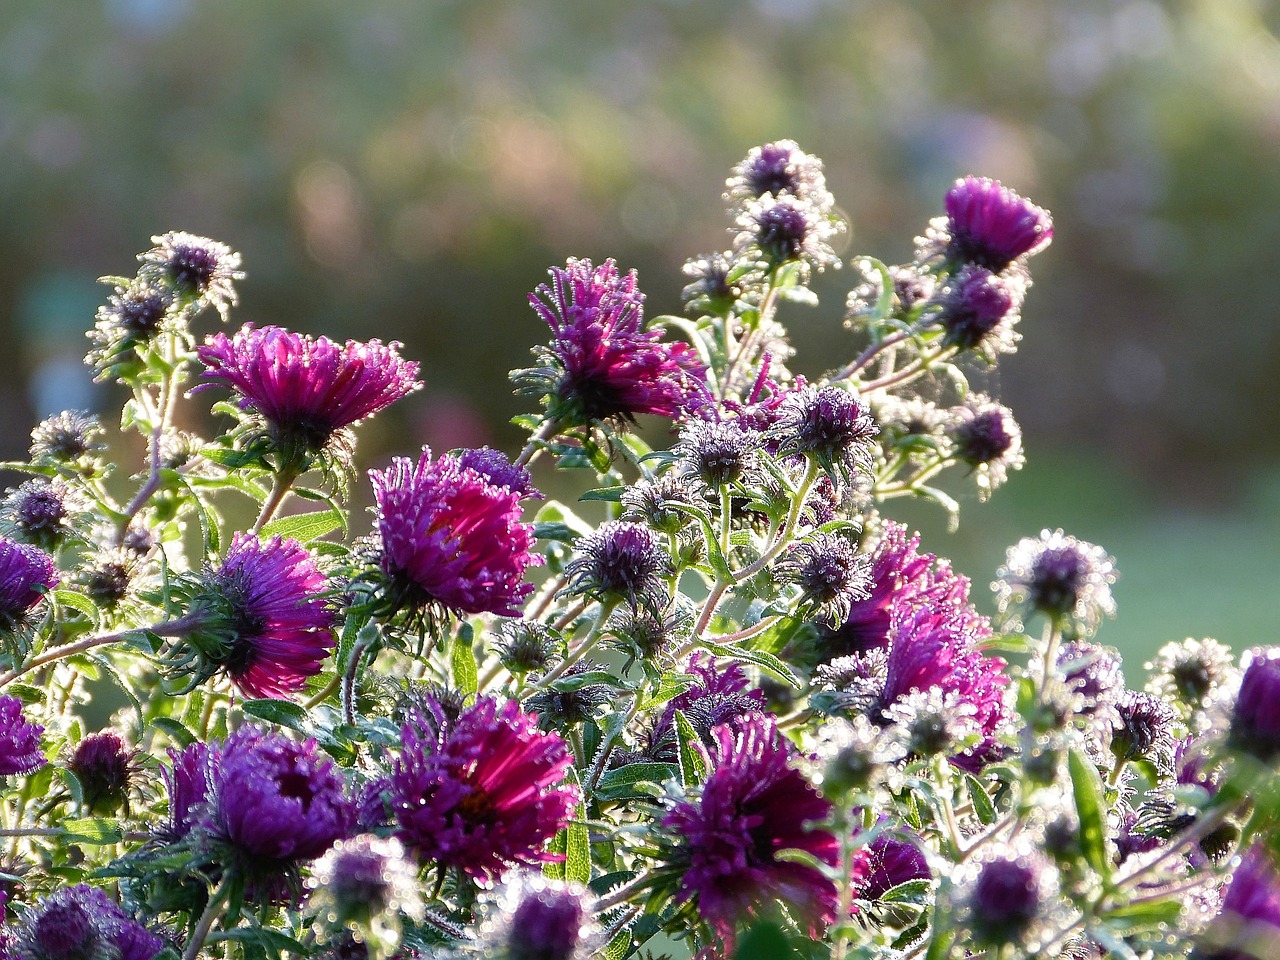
<point x="622" y="562"/>
<point x="828" y="424"/>
<point x="1059" y="577"/>
<point x="788" y="230"/>
<point x="1192" y="674"/>
<point x="366" y="883"/>
<point x="194" y="269"/>
<point x="830" y="573"/>
<point x="778" y="169"/>
<point x="44" y="513"/>
<point x="985" y="436"/>
<point x="71" y="439"/>
<point x="1008" y="894"/>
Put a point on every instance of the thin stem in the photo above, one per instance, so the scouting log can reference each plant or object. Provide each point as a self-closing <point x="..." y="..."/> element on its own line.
<point x="623" y="893"/>
<point x="708" y="609"/>
<point x="549" y="428"/>
<point x="324" y="694"/>
<point x="349" y="683"/>
<point x="788" y="532"/>
<point x="570" y="615"/>
<point x="907" y="373"/>
<point x="869" y="354"/>
<point x="591" y="639"/>
<point x="280" y="484"/>
<point x="201" y="932"/>
<point x="168" y="629"/>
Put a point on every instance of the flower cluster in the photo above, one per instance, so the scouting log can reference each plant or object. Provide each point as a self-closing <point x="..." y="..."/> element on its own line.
<point x="723" y="698"/>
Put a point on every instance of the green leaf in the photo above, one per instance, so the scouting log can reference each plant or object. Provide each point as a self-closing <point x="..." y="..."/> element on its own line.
<point x="577" y="863"/>
<point x="624" y="783"/>
<point x="693" y="765"/>
<point x="462" y="661"/>
<point x="764" y="941"/>
<point x="283" y="713"/>
<point x="92" y="830"/>
<point x="982" y="804"/>
<point x="80" y="603"/>
<point x="1148" y="915"/>
<point x="175" y="730"/>
<point x="303" y="527"/>
<point x="765" y="661"/>
<point x="1086" y="787"/>
<point x="608" y="494"/>
<point x="917" y="892"/>
<point x="619" y="945"/>
<point x="273" y="940"/>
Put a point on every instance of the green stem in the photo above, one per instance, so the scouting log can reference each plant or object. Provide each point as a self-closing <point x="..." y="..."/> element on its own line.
<point x="789" y="527"/>
<point x="576" y="654"/>
<point x="281" y="481"/>
<point x="169" y="629"/>
<point x="205" y="924"/>
<point x="545" y="432"/>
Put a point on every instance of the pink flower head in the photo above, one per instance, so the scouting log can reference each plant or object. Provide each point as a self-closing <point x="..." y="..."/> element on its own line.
<point x="265" y="620"/>
<point x="931" y="648"/>
<point x="307" y="389"/>
<point x="603" y="363"/>
<point x="753" y="807"/>
<point x="992" y="226"/>
<point x="900" y="575"/>
<point x="483" y="792"/>
<point x="452" y="537"/>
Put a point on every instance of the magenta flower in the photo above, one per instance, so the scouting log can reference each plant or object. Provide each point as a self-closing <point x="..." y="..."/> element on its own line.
<point x="884" y="863"/>
<point x="19" y="739"/>
<point x="901" y="576"/>
<point x="452" y="537"/>
<point x="933" y="649"/>
<point x="717" y="697"/>
<point x="307" y="389"/>
<point x="483" y="792"/>
<point x="603" y="363"/>
<point x="275" y="803"/>
<point x="992" y="226"/>
<point x="753" y="807"/>
<point x="26" y="572"/>
<point x="1250" y="916"/>
<point x="264" y="618"/>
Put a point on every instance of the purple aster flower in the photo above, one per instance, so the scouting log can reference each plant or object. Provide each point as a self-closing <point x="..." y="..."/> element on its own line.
<point x="1255" y="718"/>
<point x="978" y="310"/>
<point x="1249" y="923"/>
<point x="262" y="618"/>
<point x="26" y="572"/>
<point x="104" y="766"/>
<point x="307" y="389"/>
<point x="193" y="268"/>
<point x="885" y="863"/>
<point x="1065" y="579"/>
<point x="19" y="739"/>
<point x="932" y="648"/>
<point x="189" y="781"/>
<point x="483" y="792"/>
<point x="531" y="917"/>
<point x="83" y="923"/>
<point x="603" y="364"/>
<point x="778" y="169"/>
<point x="717" y="697"/>
<point x="275" y="803"/>
<point x="1144" y="727"/>
<point x="900" y="575"/>
<point x="828" y="424"/>
<point x="498" y="469"/>
<point x="621" y="562"/>
<point x="1008" y="896"/>
<point x="451" y="538"/>
<point x="753" y="807"/>
<point x="709" y="285"/>
<point x="991" y="225"/>
<point x="132" y="316"/>
<point x="831" y="574"/>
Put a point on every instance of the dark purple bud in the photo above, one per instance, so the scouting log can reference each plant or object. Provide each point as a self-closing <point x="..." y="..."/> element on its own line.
<point x="1009" y="896"/>
<point x="546" y="925"/>
<point x="975" y="304"/>
<point x="719" y="452"/>
<point x="621" y="562"/>
<point x="831" y="574"/>
<point x="104" y="765"/>
<point x="1143" y="728"/>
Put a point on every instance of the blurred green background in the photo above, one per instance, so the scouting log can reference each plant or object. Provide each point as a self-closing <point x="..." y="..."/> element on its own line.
<point x="408" y="170"/>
